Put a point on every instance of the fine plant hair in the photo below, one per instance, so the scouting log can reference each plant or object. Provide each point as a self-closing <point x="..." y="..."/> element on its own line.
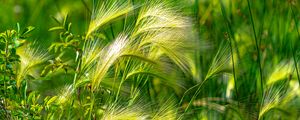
<point x="106" y="12"/>
<point x="30" y="58"/>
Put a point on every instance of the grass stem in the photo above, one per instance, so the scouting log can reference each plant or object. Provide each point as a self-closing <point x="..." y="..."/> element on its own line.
<point x="229" y="37"/>
<point x="257" y="49"/>
<point x="293" y="46"/>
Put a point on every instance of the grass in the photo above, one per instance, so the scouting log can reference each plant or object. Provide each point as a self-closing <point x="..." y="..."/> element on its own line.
<point x="149" y="59"/>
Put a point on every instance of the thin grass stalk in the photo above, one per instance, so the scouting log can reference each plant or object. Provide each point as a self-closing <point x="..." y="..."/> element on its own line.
<point x="148" y="84"/>
<point x="263" y="22"/>
<point x="293" y="46"/>
<point x="112" y="31"/>
<point x="233" y="39"/>
<point x="132" y="2"/>
<point x="229" y="38"/>
<point x="124" y="22"/>
<point x="195" y="95"/>
<point x="198" y="57"/>
<point x="126" y="16"/>
<point x="123" y="78"/>
<point x="184" y="94"/>
<point x="92" y="104"/>
<point x="86" y="6"/>
<point x="69" y="111"/>
<point x="257" y="49"/>
<point x="153" y="97"/>
<point x="260" y="39"/>
<point x="78" y="72"/>
<point x="117" y="71"/>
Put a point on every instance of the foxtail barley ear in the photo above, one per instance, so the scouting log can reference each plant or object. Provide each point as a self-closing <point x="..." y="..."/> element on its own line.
<point x="281" y="71"/>
<point x="273" y="97"/>
<point x="65" y="94"/>
<point x="90" y="55"/>
<point x="161" y="31"/>
<point x="106" y="13"/>
<point x="117" y="112"/>
<point x="170" y="43"/>
<point x="167" y="111"/>
<point x="158" y="16"/>
<point x="108" y="56"/>
<point x="280" y="91"/>
<point x="30" y="57"/>
<point x="220" y="61"/>
<point x="281" y="96"/>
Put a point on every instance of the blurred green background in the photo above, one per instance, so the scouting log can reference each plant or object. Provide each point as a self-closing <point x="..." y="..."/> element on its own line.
<point x="38" y="13"/>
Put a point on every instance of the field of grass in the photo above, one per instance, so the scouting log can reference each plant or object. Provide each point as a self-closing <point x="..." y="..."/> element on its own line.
<point x="150" y="59"/>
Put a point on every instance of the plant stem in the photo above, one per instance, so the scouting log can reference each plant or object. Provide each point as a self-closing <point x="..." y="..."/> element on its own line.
<point x="257" y="49"/>
<point x="262" y="25"/>
<point x="233" y="70"/>
<point x="258" y="58"/>
<point x="5" y="69"/>
<point x="195" y="95"/>
<point x="122" y="79"/>
<point x="198" y="60"/>
<point x="92" y="104"/>
<point x="229" y="37"/>
<point x="112" y="31"/>
<point x="293" y="46"/>
<point x="86" y="6"/>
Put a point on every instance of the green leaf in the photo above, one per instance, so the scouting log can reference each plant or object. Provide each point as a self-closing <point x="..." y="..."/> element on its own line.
<point x="27" y="30"/>
<point x="51" y="100"/>
<point x="82" y="83"/>
<point x="46" y="70"/>
<point x="65" y="22"/>
<point x="69" y="26"/>
<point x="56" y="20"/>
<point x="56" y="28"/>
<point x="2" y="52"/>
<point x="18" y="27"/>
<point x="69" y="37"/>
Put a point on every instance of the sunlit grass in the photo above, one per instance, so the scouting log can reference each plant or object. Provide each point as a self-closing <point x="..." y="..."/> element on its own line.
<point x="152" y="59"/>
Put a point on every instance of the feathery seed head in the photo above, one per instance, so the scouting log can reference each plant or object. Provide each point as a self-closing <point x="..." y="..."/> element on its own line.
<point x="29" y="57"/>
<point x="106" y="13"/>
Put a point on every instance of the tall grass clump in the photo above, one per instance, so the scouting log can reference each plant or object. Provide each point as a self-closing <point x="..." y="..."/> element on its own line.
<point x="149" y="59"/>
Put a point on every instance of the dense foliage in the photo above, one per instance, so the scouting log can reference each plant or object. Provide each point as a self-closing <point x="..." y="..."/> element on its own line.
<point x="149" y="59"/>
